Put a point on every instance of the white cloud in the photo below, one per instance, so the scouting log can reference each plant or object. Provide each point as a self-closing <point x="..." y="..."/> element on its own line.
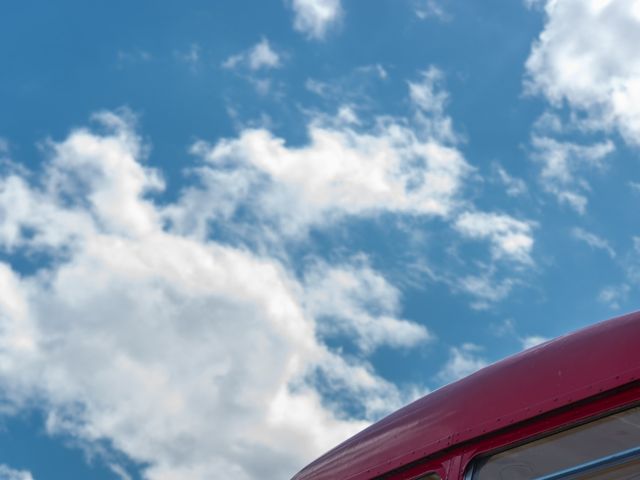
<point x="7" y="473"/>
<point x="463" y="361"/>
<point x="613" y="295"/>
<point x="259" y="57"/>
<point x="515" y="187"/>
<point x="425" y="9"/>
<point x="347" y="115"/>
<point x="314" y="18"/>
<point x="352" y="168"/>
<point x="586" y="56"/>
<point x="632" y="262"/>
<point x="360" y="302"/>
<point x="532" y="341"/>
<point x="510" y="238"/>
<point x="426" y="93"/>
<point x="534" y="4"/>
<point x="121" y="473"/>
<point x="317" y="87"/>
<point x="563" y="165"/>
<point x="485" y="287"/>
<point x="376" y="69"/>
<point x="394" y="166"/>
<point x="593" y="240"/>
<point x="561" y="160"/>
<point x="430" y="99"/>
<point x="548" y="123"/>
<point x="132" y="57"/>
<point x="191" y="56"/>
<point x="201" y="359"/>
<point x="263" y="56"/>
<point x="508" y="329"/>
<point x="194" y="358"/>
<point x="353" y="87"/>
<point x="503" y="329"/>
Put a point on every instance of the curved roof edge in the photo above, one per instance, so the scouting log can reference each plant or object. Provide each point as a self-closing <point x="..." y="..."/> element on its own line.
<point x="536" y="381"/>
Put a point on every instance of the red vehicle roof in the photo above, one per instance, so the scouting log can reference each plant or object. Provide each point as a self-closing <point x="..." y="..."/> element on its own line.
<point x="565" y="370"/>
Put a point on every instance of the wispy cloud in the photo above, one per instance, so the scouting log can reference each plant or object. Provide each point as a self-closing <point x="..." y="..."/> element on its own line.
<point x="259" y="57"/>
<point x="359" y="302"/>
<point x="564" y="165"/>
<point x="614" y="295"/>
<point x="426" y="9"/>
<point x="389" y="165"/>
<point x="533" y="341"/>
<point x="353" y="87"/>
<point x="593" y="240"/>
<point x="191" y="56"/>
<point x="514" y="187"/>
<point x="463" y="361"/>
<point x="427" y="93"/>
<point x="132" y="57"/>
<point x="8" y="473"/>
<point x="314" y="18"/>
<point x="510" y="238"/>
<point x="507" y="329"/>
<point x="485" y="288"/>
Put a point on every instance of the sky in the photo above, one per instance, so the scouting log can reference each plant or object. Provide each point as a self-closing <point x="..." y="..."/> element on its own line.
<point x="235" y="233"/>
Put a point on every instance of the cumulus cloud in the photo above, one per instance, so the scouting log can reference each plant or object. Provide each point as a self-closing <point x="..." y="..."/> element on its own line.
<point x="463" y="361"/>
<point x="200" y="357"/>
<point x="348" y="168"/>
<point x="510" y="238"/>
<point x="593" y="240"/>
<point x="7" y="473"/>
<point x="586" y="57"/>
<point x="396" y="165"/>
<point x="358" y="301"/>
<point x="259" y="57"/>
<point x="195" y="358"/>
<point x="314" y="18"/>
<point x="563" y="167"/>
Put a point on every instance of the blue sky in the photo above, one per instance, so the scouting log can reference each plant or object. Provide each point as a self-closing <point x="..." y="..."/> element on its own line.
<point x="232" y="234"/>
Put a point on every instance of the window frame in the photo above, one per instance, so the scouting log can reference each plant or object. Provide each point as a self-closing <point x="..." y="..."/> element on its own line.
<point x="565" y="418"/>
<point x="618" y="458"/>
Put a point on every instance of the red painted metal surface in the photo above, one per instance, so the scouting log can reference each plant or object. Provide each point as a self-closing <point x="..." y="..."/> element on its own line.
<point x="527" y="386"/>
<point x="453" y="462"/>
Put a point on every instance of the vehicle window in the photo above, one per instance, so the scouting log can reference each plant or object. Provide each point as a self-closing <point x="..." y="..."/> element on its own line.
<point x="608" y="448"/>
<point x="431" y="476"/>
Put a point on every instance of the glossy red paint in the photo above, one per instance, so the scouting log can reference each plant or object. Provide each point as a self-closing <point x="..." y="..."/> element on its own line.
<point x="520" y="396"/>
<point x="455" y="461"/>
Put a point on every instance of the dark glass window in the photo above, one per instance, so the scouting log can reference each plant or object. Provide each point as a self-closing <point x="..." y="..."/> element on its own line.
<point x="608" y="448"/>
